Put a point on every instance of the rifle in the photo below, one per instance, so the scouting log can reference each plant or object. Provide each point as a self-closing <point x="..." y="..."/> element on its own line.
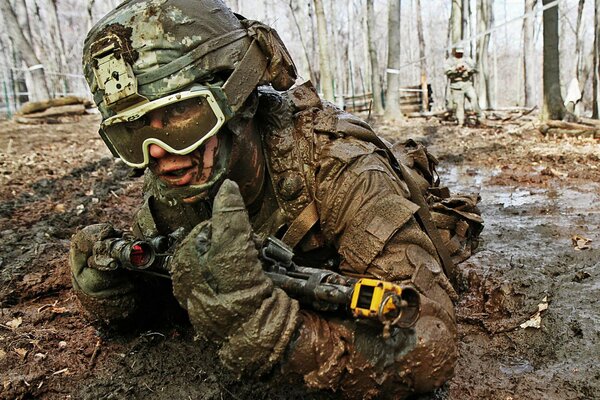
<point x="321" y="289"/>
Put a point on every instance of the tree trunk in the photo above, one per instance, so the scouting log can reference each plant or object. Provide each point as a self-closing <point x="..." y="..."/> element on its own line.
<point x="39" y="91"/>
<point x="466" y="19"/>
<point x="57" y="42"/>
<point x="392" y="103"/>
<point x="423" y="62"/>
<point x="293" y="11"/>
<point x="20" y="8"/>
<point x="375" y="82"/>
<point x="90" y="14"/>
<point x="326" y="78"/>
<point x="529" y="64"/>
<point x="267" y="13"/>
<point x="335" y="63"/>
<point x="485" y="19"/>
<point x="455" y="24"/>
<point x="579" y="43"/>
<point x="596" y="63"/>
<point x="553" y="102"/>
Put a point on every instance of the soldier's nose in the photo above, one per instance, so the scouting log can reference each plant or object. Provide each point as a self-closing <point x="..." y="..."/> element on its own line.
<point x="156" y="151"/>
<point x="156" y="120"/>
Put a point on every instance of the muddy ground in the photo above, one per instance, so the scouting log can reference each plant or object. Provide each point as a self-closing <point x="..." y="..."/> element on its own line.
<point x="537" y="194"/>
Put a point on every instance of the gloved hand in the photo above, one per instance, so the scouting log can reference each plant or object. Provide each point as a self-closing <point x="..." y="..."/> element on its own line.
<point x="218" y="278"/>
<point x="105" y="295"/>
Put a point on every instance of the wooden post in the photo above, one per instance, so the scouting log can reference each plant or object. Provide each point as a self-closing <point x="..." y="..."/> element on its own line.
<point x="6" y="99"/>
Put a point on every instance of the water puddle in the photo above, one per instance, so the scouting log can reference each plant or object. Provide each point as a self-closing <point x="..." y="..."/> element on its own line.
<point x="516" y="367"/>
<point x="553" y="212"/>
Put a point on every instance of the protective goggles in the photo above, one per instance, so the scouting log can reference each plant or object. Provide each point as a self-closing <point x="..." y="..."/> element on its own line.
<point x="179" y="123"/>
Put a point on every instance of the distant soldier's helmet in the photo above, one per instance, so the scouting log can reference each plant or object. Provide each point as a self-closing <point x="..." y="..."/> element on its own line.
<point x="459" y="49"/>
<point x="165" y="56"/>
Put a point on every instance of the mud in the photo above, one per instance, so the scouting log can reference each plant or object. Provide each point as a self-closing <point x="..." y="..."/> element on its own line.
<point x="537" y="193"/>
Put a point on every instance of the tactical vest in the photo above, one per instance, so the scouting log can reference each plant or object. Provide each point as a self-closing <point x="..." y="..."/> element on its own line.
<point x="292" y="123"/>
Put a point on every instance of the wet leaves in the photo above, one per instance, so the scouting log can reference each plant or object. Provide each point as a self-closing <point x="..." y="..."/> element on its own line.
<point x="580" y="276"/>
<point x="15" y="323"/>
<point x="581" y="243"/>
<point x="21" y="352"/>
<point x="536" y="319"/>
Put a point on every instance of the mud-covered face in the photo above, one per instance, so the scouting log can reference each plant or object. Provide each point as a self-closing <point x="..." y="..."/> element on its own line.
<point x="176" y="170"/>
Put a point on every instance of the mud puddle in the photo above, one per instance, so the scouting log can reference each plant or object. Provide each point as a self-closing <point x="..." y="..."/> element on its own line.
<point x="527" y="259"/>
<point x="536" y="194"/>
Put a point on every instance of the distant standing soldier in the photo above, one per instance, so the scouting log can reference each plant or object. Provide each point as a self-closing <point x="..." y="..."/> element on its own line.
<point x="460" y="71"/>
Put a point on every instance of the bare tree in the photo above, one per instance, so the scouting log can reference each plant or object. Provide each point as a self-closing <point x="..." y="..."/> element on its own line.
<point x="579" y="43"/>
<point x="455" y="25"/>
<point x="422" y="58"/>
<point x="336" y="60"/>
<point x="392" y="103"/>
<point x="90" y="13"/>
<point x="326" y="78"/>
<point x="39" y="89"/>
<point x="375" y="81"/>
<point x="53" y="28"/>
<point x="465" y="9"/>
<point x="553" y="102"/>
<point x="485" y="20"/>
<point x="529" y="64"/>
<point x="20" y="8"/>
<point x="596" y="63"/>
<point x="294" y="8"/>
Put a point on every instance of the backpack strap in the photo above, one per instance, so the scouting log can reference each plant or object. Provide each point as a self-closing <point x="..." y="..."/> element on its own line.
<point x="416" y="197"/>
<point x="287" y="130"/>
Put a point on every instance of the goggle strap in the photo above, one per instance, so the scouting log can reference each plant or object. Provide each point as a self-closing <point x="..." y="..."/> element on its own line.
<point x="246" y="76"/>
<point x="191" y="57"/>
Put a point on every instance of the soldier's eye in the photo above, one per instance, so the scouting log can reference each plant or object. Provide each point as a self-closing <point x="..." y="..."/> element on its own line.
<point x="179" y="109"/>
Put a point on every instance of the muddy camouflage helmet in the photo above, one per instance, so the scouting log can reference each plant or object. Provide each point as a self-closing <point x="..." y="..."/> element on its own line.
<point x="153" y="48"/>
<point x="154" y="55"/>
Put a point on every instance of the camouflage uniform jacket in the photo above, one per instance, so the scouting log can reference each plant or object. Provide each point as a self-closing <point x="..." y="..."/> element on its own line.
<point x="337" y="195"/>
<point x="456" y="77"/>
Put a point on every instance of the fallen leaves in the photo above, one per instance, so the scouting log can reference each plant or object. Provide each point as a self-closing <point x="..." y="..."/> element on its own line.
<point x="21" y="352"/>
<point x="581" y="243"/>
<point x="536" y="319"/>
<point x="15" y="323"/>
<point x="62" y="371"/>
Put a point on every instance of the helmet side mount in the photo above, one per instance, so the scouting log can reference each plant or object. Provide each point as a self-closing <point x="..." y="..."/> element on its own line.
<point x="114" y="75"/>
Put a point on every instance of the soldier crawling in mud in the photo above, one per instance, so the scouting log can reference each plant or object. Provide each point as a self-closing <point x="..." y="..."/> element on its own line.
<point x="234" y="152"/>
<point x="460" y="71"/>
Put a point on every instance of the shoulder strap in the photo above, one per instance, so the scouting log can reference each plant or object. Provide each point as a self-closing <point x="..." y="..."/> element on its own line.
<point x="288" y="150"/>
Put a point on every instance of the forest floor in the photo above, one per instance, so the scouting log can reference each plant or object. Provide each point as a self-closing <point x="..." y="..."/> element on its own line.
<point x="538" y="264"/>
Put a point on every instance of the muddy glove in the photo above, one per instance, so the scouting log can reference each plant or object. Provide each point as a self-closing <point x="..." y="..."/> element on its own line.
<point x="218" y="278"/>
<point x="105" y="295"/>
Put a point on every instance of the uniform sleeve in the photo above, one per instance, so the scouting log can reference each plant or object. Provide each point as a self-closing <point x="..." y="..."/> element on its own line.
<point x="470" y="66"/>
<point x="448" y="66"/>
<point x="365" y="213"/>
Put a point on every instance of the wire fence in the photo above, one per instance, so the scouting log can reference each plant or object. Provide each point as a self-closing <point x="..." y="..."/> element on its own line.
<point x="14" y="84"/>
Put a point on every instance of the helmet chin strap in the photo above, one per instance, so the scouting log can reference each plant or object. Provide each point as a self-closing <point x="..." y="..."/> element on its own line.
<point x="246" y="77"/>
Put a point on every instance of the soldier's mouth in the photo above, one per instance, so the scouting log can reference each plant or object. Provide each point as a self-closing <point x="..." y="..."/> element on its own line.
<point x="179" y="177"/>
<point x="176" y="174"/>
<point x="191" y="169"/>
